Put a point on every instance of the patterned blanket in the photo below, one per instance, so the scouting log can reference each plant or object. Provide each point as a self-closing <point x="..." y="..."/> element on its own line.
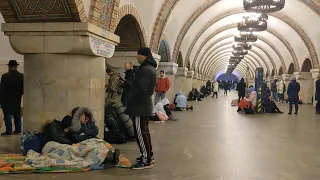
<point x="57" y="158"/>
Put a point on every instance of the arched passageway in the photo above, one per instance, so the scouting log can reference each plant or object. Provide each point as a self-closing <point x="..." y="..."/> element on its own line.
<point x="164" y="51"/>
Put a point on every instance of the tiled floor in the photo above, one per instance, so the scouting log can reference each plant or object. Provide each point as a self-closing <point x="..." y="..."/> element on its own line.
<point x="216" y="143"/>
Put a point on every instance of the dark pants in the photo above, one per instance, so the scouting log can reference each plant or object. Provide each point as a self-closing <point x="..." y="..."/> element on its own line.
<point x="215" y="94"/>
<point x="240" y="98"/>
<point x="295" y="106"/>
<point x="8" y="121"/>
<point x="141" y="130"/>
<point x="318" y="106"/>
<point x="226" y="91"/>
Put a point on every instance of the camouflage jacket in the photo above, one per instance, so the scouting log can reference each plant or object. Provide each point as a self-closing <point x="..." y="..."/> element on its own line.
<point x="114" y="89"/>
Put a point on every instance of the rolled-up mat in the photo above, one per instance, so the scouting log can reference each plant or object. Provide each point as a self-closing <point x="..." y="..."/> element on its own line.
<point x="125" y="119"/>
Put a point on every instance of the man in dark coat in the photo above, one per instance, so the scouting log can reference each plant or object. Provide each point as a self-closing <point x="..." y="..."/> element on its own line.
<point x="318" y="96"/>
<point x="11" y="91"/>
<point x="241" y="88"/>
<point x="128" y="80"/>
<point x="274" y="90"/>
<point x="140" y="105"/>
<point x="293" y="95"/>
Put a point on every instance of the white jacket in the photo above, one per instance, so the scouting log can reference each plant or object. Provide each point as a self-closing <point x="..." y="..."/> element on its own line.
<point x="280" y="87"/>
<point x="215" y="86"/>
<point x="159" y="106"/>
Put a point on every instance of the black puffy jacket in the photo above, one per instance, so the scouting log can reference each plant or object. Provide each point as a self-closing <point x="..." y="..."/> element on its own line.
<point x="54" y="131"/>
<point x="144" y="85"/>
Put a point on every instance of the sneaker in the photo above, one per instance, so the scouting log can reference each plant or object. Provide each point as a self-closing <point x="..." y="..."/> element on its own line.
<point x="142" y="165"/>
<point x="140" y="159"/>
<point x="290" y="113"/>
<point x="296" y="113"/>
<point x="116" y="156"/>
<point x="6" y="134"/>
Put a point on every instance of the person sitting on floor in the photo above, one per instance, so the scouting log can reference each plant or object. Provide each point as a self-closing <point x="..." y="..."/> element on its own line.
<point x="58" y="131"/>
<point x="161" y="109"/>
<point x="204" y="91"/>
<point x="181" y="102"/>
<point x="83" y="125"/>
<point x="248" y="102"/>
<point x="269" y="105"/>
<point x="194" y="95"/>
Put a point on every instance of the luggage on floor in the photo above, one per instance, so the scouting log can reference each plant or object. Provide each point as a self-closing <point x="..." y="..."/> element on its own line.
<point x="113" y="133"/>
<point x="32" y="141"/>
<point x="234" y="102"/>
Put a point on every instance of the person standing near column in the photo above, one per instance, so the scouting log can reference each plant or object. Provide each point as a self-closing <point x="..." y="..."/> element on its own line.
<point x="140" y="106"/>
<point x="215" y="87"/>
<point x="280" y="88"/>
<point x="163" y="85"/>
<point x="11" y="91"/>
<point x="318" y="96"/>
<point x="293" y="95"/>
<point x="128" y="79"/>
<point x="274" y="91"/>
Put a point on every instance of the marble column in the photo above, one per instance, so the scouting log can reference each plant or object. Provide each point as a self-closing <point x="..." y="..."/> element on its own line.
<point x="170" y="68"/>
<point x="180" y="80"/>
<point x="306" y="86"/>
<point x="286" y="79"/>
<point x="189" y="81"/>
<point x="269" y="81"/>
<point x="195" y="81"/>
<point x="64" y="68"/>
<point x="315" y="76"/>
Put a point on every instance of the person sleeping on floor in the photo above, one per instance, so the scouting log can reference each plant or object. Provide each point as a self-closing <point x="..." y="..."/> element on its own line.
<point x="162" y="112"/>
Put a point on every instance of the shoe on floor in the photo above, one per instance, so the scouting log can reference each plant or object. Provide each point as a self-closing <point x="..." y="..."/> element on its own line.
<point x="116" y="156"/>
<point x="140" y="159"/>
<point x="142" y="165"/>
<point x="6" y="134"/>
<point x="290" y="113"/>
<point x="296" y="113"/>
<point x="16" y="133"/>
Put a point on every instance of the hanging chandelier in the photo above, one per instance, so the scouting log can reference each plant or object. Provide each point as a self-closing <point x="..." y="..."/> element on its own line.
<point x="263" y="6"/>
<point x="234" y="61"/>
<point x="238" y="53"/>
<point x="253" y="23"/>
<point x="246" y="37"/>
<point x="236" y="56"/>
<point x="244" y="45"/>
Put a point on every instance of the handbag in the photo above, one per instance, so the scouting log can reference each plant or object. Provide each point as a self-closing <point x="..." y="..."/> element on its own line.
<point x="32" y="141"/>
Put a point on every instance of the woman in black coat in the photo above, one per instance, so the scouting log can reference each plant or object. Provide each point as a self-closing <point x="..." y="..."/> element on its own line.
<point x="293" y="95"/>
<point x="241" y="88"/>
<point x="318" y="96"/>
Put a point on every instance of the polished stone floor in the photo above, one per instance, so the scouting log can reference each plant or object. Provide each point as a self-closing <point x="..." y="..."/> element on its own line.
<point x="214" y="142"/>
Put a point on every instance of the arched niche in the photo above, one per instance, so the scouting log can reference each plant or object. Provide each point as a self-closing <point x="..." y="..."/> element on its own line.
<point x="280" y="72"/>
<point x="306" y="66"/>
<point x="273" y="73"/>
<point x="164" y="51"/>
<point x="131" y="36"/>
<point x="180" y="60"/>
<point x="291" y="69"/>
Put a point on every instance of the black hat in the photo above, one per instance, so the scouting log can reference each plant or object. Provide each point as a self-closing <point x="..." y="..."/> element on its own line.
<point x="144" y="51"/>
<point x="12" y="63"/>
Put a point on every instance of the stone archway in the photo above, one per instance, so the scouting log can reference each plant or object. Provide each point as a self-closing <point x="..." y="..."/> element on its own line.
<point x="280" y="72"/>
<point x="291" y="69"/>
<point x="306" y="66"/>
<point x="164" y="51"/>
<point x="129" y="31"/>
<point x="180" y="60"/>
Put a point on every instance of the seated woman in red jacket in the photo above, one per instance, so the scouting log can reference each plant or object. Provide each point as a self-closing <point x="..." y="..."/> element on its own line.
<point x="246" y="102"/>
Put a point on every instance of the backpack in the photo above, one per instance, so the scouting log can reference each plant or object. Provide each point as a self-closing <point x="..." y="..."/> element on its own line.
<point x="112" y="133"/>
<point x="32" y="141"/>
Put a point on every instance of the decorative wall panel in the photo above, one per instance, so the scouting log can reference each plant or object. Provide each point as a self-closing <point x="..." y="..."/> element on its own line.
<point x="164" y="51"/>
<point x="41" y="9"/>
<point x="106" y="12"/>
